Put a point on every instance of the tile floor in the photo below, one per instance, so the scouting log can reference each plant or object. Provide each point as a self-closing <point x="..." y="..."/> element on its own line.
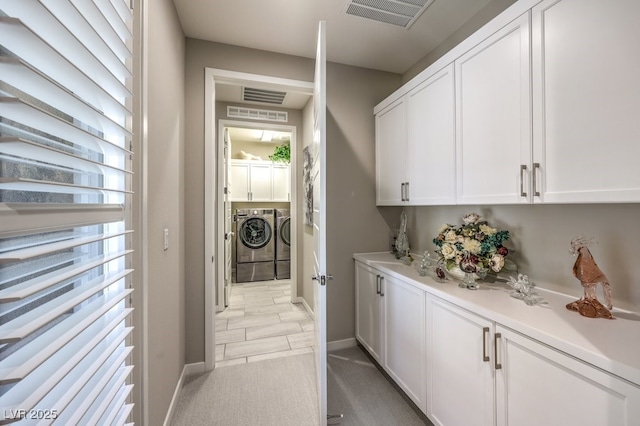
<point x="262" y="323"/>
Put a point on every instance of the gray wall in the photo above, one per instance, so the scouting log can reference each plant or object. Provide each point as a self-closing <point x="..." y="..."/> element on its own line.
<point x="541" y="236"/>
<point x="352" y="94"/>
<point x="165" y="200"/>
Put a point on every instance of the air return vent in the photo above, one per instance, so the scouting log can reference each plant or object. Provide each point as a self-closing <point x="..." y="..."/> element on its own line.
<point x="402" y="13"/>
<point x="257" y="114"/>
<point x="261" y="95"/>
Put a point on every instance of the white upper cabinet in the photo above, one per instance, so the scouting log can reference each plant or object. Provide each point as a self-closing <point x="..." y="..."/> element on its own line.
<point x="586" y="100"/>
<point x="281" y="182"/>
<point x="431" y="141"/>
<point x="259" y="181"/>
<point x="415" y="145"/>
<point x="391" y="154"/>
<point x="493" y="120"/>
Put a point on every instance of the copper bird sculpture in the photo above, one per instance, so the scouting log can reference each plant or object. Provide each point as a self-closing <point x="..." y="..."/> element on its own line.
<point x="586" y="270"/>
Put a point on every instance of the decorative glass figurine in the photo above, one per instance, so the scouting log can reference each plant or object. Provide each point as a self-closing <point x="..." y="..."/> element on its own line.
<point x="586" y="270"/>
<point x="402" y="242"/>
<point x="429" y="265"/>
<point x="523" y="290"/>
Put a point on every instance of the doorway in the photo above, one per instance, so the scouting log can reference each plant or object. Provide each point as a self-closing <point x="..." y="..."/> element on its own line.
<point x="215" y="211"/>
<point x="258" y="206"/>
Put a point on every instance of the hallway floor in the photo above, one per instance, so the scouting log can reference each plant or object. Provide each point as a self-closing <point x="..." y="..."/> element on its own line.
<point x="262" y="323"/>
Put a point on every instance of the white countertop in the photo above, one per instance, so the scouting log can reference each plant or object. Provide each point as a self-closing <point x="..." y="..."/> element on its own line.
<point x="612" y="345"/>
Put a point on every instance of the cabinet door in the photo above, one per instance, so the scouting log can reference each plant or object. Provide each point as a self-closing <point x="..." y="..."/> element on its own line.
<point x="239" y="177"/>
<point x="404" y="337"/>
<point x="391" y="154"/>
<point x="538" y="385"/>
<point x="493" y="118"/>
<point x="369" y="310"/>
<point x="261" y="182"/>
<point x="586" y="65"/>
<point x="280" y="182"/>
<point x="431" y="136"/>
<point x="460" y="384"/>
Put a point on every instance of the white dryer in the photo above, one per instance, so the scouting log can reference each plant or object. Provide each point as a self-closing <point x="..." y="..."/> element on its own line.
<point x="255" y="245"/>
<point x="283" y="244"/>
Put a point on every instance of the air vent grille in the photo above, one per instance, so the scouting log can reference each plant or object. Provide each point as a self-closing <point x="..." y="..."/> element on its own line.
<point x="261" y="95"/>
<point x="257" y="114"/>
<point x="402" y="13"/>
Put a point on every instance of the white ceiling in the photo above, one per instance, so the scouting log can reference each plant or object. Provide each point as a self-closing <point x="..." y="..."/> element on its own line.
<point x="290" y="26"/>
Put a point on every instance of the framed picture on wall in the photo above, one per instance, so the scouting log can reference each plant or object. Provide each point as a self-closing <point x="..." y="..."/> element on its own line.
<point x="307" y="165"/>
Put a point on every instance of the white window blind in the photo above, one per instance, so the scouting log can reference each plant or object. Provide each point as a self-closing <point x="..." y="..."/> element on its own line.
<point x="65" y="179"/>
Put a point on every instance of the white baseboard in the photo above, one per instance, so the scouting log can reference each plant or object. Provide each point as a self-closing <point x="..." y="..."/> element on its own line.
<point x="341" y="344"/>
<point x="187" y="370"/>
<point x="306" y="306"/>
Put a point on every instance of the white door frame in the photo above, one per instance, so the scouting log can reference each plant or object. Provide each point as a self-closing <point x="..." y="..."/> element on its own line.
<point x="213" y="239"/>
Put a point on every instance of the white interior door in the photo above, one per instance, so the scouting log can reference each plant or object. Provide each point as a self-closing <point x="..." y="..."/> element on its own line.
<point x="228" y="235"/>
<point x="319" y="175"/>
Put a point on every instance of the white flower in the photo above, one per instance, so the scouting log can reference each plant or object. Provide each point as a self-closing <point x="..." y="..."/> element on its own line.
<point x="448" y="251"/>
<point x="487" y="230"/>
<point x="443" y="228"/>
<point x="497" y="262"/>
<point x="472" y="246"/>
<point x="470" y="218"/>
<point x="450" y="236"/>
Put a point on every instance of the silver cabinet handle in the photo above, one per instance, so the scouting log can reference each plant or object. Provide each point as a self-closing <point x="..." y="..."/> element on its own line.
<point x="523" y="169"/>
<point x="377" y="284"/>
<point x="406" y="191"/>
<point x="536" y="167"/>
<point x="496" y="337"/>
<point x="381" y="288"/>
<point x="485" y="335"/>
<point x="402" y="191"/>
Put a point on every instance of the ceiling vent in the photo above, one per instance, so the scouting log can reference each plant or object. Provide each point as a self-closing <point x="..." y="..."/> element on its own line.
<point x="261" y="95"/>
<point x="402" y="13"/>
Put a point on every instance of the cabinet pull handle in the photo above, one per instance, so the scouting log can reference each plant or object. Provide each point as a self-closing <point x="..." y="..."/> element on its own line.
<point x="381" y="292"/>
<point x="406" y="191"/>
<point x="485" y="334"/>
<point x="536" y="167"/>
<point x="496" y="337"/>
<point x="523" y="169"/>
<point x="402" y="191"/>
<point x="377" y="284"/>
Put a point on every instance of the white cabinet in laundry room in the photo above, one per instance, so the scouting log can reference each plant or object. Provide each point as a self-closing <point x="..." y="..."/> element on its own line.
<point x="493" y="118"/>
<point x="586" y="100"/>
<point x="259" y="181"/>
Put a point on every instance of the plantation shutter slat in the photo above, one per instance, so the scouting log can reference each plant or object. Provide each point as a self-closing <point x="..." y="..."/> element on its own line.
<point x="27" y="79"/>
<point x="22" y="362"/>
<point x="32" y="49"/>
<point x="23" y="218"/>
<point x="37" y="318"/>
<point x="66" y="282"/>
<point x="28" y="288"/>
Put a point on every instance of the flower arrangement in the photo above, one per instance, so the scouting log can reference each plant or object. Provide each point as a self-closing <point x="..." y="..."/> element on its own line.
<point x="474" y="246"/>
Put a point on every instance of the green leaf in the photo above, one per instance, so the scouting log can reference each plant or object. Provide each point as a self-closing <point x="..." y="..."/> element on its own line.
<point x="282" y="154"/>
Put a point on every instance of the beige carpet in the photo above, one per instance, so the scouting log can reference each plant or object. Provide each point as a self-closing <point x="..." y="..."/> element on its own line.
<point x="279" y="391"/>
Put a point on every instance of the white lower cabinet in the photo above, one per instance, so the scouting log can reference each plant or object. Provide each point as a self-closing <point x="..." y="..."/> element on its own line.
<point x="481" y="373"/>
<point x="460" y="383"/>
<point x="404" y="330"/>
<point x="369" y="310"/>
<point x="390" y="324"/>
<point x="539" y="385"/>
